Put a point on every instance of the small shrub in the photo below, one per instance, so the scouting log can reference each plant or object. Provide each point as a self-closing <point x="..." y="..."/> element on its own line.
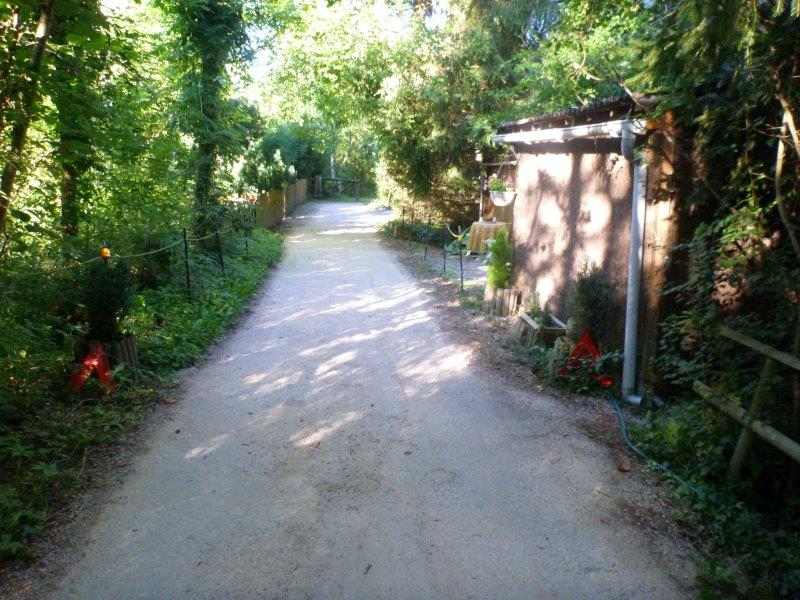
<point x="534" y="309"/>
<point x="107" y="296"/>
<point x="748" y="553"/>
<point x="500" y="257"/>
<point x="592" y="304"/>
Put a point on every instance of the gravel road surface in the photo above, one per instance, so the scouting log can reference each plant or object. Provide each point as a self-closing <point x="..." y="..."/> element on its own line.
<point x="340" y="444"/>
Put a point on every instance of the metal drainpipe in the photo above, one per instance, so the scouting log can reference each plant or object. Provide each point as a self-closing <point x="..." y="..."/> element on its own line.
<point x="635" y="260"/>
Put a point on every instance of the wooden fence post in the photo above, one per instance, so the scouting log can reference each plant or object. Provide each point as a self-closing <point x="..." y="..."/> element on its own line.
<point x="749" y="419"/>
<point x="745" y="440"/>
<point x="782" y="442"/>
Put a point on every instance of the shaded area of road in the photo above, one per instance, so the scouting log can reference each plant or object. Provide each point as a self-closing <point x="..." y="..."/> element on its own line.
<point x="339" y="444"/>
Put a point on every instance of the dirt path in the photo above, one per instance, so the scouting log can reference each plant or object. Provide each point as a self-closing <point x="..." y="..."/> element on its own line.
<point x="340" y="444"/>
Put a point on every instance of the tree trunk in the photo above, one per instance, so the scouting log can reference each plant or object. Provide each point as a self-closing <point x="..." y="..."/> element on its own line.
<point x="204" y="180"/>
<point x="70" y="208"/>
<point x="7" y="92"/>
<point x="779" y="164"/>
<point x="212" y="68"/>
<point x="28" y="99"/>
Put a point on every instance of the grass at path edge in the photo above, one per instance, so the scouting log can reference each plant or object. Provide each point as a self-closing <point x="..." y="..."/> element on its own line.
<point x="44" y="444"/>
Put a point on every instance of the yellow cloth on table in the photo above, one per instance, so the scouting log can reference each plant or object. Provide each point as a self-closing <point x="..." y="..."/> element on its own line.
<point x="481" y="232"/>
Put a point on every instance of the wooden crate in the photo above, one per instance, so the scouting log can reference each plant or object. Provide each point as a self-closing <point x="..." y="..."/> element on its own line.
<point x="528" y="332"/>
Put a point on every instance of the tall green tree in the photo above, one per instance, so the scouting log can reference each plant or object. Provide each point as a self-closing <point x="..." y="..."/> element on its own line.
<point x="22" y="90"/>
<point x="73" y="84"/>
<point x="211" y="41"/>
<point x="210" y="35"/>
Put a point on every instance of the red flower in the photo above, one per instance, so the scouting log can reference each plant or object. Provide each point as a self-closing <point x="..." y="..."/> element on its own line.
<point x="605" y="381"/>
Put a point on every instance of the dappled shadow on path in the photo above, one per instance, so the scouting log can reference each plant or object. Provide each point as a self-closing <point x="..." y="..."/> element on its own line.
<point x="338" y="326"/>
<point x="338" y="428"/>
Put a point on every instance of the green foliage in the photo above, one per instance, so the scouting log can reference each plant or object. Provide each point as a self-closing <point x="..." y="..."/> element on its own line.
<point x="592" y="303"/>
<point x="94" y="119"/>
<point x="499" y="260"/>
<point x="493" y="62"/>
<point x="209" y="41"/>
<point x="496" y="184"/>
<point x="107" y="297"/>
<point x="45" y="433"/>
<point x="417" y="232"/>
<point x="749" y="552"/>
<point x="281" y="156"/>
<point x="173" y="332"/>
<point x="727" y="72"/>
<point x="587" y="54"/>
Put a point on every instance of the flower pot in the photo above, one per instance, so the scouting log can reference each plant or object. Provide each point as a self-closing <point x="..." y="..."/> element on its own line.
<point x="502" y="198"/>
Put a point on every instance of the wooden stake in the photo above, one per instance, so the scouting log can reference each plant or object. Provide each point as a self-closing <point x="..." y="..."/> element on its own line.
<point x="745" y="441"/>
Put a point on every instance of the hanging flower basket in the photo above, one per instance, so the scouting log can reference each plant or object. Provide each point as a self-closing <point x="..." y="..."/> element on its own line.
<point x="502" y="198"/>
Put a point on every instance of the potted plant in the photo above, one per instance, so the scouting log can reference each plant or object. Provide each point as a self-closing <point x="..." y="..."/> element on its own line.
<point x="499" y="192"/>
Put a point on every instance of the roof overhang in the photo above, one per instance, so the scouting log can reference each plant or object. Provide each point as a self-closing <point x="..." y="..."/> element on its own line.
<point x="623" y="129"/>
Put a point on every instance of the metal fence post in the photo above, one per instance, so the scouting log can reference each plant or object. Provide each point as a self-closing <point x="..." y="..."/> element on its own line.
<point x="219" y="252"/>
<point x="461" y="263"/>
<point x="428" y="238"/>
<point x="186" y="263"/>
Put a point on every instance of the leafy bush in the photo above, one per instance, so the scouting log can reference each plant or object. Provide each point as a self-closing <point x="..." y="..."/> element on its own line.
<point x="591" y="304"/>
<point x="499" y="260"/>
<point x="284" y="154"/>
<point x="107" y="296"/>
<point x="750" y="553"/>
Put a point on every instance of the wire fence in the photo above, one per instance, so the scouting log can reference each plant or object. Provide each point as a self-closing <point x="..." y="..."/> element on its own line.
<point x="242" y="222"/>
